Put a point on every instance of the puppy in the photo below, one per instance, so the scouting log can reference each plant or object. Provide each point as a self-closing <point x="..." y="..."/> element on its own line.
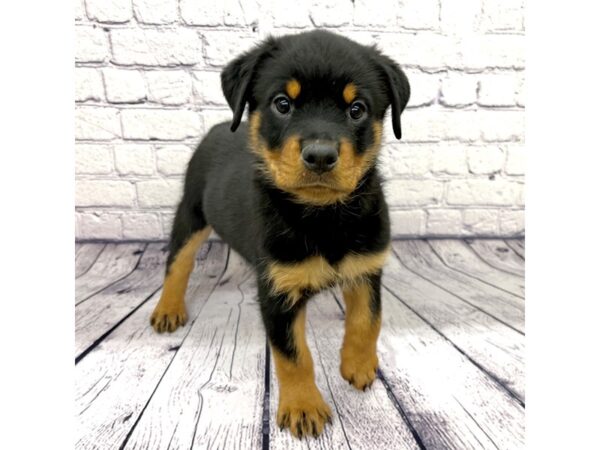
<point x="297" y="193"/>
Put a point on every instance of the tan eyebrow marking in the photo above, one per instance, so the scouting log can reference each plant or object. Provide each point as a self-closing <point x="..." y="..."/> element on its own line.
<point x="293" y="88"/>
<point x="349" y="92"/>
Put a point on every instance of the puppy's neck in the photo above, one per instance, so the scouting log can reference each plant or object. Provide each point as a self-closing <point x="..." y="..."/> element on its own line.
<point x="365" y="198"/>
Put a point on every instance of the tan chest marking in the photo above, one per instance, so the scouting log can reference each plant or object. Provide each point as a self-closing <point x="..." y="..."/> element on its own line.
<point x="315" y="273"/>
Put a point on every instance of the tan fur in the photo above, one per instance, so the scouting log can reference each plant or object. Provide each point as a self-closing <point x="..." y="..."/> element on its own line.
<point x="359" y="350"/>
<point x="349" y="93"/>
<point x="315" y="273"/>
<point x="285" y="168"/>
<point x="170" y="311"/>
<point x="301" y="406"/>
<point x="293" y="88"/>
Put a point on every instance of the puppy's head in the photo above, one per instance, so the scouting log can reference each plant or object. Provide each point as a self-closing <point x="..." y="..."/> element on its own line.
<point x="316" y="102"/>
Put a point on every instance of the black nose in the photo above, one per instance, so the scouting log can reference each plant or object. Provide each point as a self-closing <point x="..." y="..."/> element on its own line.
<point x="320" y="156"/>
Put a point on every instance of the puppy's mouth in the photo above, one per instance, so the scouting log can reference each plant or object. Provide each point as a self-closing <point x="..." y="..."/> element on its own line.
<point x="318" y="183"/>
<point x="318" y="186"/>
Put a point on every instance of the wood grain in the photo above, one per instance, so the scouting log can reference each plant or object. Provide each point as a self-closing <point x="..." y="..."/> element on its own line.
<point x="489" y="343"/>
<point x="418" y="257"/>
<point x="499" y="255"/>
<point x="115" y="262"/>
<point x="85" y="257"/>
<point x="101" y="312"/>
<point x="451" y="354"/>
<point x="517" y="246"/>
<point x="449" y="401"/>
<point x="459" y="256"/>
<point x="212" y="395"/>
<point x="115" y="381"/>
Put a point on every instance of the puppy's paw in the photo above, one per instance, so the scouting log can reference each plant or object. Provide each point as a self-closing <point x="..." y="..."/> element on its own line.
<point x="168" y="318"/>
<point x="359" y="370"/>
<point x="304" y="415"/>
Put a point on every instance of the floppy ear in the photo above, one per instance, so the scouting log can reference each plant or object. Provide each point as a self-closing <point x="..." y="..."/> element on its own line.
<point x="237" y="79"/>
<point x="398" y="90"/>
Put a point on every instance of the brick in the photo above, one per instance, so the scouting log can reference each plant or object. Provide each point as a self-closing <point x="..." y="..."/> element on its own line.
<point x="160" y="124"/>
<point x="503" y="15"/>
<point x="521" y="93"/>
<point x="426" y="125"/>
<point x="99" y="225"/>
<point x="141" y="226"/>
<point x="386" y="15"/>
<point x="407" y="159"/>
<point x="458" y="89"/>
<point x="124" y="86"/>
<point x="159" y="193"/>
<point x="483" y="222"/>
<point x="173" y="159"/>
<point x="110" y="11"/>
<point x="289" y="14"/>
<point x="79" y="10"/>
<point x="330" y="13"/>
<point x="134" y="159"/>
<point x="424" y="88"/>
<point x="449" y="159"/>
<point x="460" y="17"/>
<point x="154" y="47"/>
<point x="520" y="194"/>
<point x="424" y="49"/>
<point x="104" y="193"/>
<point x="419" y="14"/>
<point x="155" y="11"/>
<point x="167" y="223"/>
<point x="483" y="192"/>
<point x="97" y="123"/>
<point x="207" y="88"/>
<point x="194" y="12"/>
<point x="93" y="159"/>
<point x="407" y="223"/>
<point x="485" y="160"/>
<point x="413" y="192"/>
<point x="212" y="117"/>
<point x="502" y="51"/>
<point x="444" y="222"/>
<point x="223" y="46"/>
<point x="363" y="37"/>
<point x="169" y="87"/>
<point x="91" y="44"/>
<point x="512" y="223"/>
<point x="498" y="126"/>
<point x="515" y="161"/>
<point x="88" y="85"/>
<point x="498" y="89"/>
<point x="234" y="15"/>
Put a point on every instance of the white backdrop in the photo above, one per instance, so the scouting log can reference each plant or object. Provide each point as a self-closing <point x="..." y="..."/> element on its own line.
<point x="147" y="89"/>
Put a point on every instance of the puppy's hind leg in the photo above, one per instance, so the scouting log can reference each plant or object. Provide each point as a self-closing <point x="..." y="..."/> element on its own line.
<point x="190" y="230"/>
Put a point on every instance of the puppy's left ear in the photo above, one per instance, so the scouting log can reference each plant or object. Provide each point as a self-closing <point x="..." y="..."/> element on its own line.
<point x="237" y="79"/>
<point x="398" y="90"/>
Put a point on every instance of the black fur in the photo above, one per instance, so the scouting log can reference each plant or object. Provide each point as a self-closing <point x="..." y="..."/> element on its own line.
<point x="225" y="189"/>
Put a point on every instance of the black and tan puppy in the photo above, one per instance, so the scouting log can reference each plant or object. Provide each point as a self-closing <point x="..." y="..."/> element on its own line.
<point x="296" y="192"/>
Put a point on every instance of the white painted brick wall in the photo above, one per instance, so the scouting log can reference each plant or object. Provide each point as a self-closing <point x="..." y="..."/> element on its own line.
<point x="147" y="89"/>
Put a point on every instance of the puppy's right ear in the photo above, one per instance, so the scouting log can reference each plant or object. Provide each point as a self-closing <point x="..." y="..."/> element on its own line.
<point x="237" y="79"/>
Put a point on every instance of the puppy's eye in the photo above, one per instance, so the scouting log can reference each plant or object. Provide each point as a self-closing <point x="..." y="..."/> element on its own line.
<point x="282" y="104"/>
<point x="357" y="110"/>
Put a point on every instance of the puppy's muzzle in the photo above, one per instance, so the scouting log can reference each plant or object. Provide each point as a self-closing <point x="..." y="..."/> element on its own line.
<point x="320" y="156"/>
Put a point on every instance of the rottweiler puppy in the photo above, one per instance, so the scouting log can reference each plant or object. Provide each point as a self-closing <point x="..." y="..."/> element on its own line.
<point x="297" y="193"/>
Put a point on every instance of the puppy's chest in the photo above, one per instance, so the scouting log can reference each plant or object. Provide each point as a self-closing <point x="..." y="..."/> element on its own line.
<point x="315" y="273"/>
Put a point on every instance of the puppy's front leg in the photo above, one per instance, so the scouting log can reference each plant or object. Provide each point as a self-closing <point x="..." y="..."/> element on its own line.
<point x="301" y="406"/>
<point x="363" y="322"/>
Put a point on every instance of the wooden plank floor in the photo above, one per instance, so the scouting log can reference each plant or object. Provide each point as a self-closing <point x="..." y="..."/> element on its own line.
<point x="451" y="376"/>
